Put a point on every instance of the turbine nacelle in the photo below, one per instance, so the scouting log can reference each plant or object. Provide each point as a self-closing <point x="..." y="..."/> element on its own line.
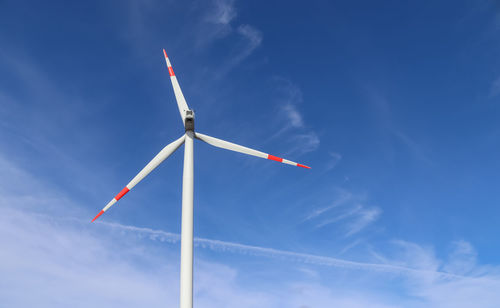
<point x="189" y="120"/>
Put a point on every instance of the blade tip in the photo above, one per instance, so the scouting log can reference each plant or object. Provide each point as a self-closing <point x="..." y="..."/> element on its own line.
<point x="303" y="166"/>
<point x="165" y="53"/>
<point x="97" y="216"/>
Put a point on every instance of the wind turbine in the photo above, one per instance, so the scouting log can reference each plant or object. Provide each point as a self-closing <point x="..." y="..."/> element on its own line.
<point x="187" y="115"/>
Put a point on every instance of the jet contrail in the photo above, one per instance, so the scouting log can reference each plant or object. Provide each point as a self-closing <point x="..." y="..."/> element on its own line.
<point x="223" y="246"/>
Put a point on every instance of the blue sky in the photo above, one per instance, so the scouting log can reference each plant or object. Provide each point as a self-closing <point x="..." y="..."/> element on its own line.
<point x="394" y="105"/>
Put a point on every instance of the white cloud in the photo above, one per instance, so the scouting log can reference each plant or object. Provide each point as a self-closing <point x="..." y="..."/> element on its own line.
<point x="290" y="97"/>
<point x="253" y="36"/>
<point x="217" y="24"/>
<point x="415" y="256"/>
<point x="52" y="239"/>
<point x="341" y="196"/>
<point x="462" y="293"/>
<point x="476" y="290"/>
<point x="415" y="148"/>
<point x="223" y="246"/>
<point x="53" y="263"/>
<point x="304" y="143"/>
<point x="223" y="12"/>
<point x="250" y="38"/>
<point x="61" y="261"/>
<point x="293" y="115"/>
<point x="348" y="210"/>
<point x="334" y="159"/>
<point x="309" y="295"/>
<point x="354" y="218"/>
<point x="341" y="215"/>
<point x="363" y="218"/>
<point x="350" y="246"/>
<point x="303" y="140"/>
<point x="462" y="259"/>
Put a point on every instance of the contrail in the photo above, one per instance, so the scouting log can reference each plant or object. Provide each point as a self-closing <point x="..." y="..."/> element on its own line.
<point x="223" y="246"/>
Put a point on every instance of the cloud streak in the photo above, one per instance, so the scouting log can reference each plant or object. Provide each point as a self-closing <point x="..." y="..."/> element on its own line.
<point x="303" y="140"/>
<point x="349" y="209"/>
<point x="293" y="115"/>
<point x="110" y="264"/>
<point x="223" y="13"/>
<point x="223" y="246"/>
<point x="117" y="269"/>
<point x="218" y="23"/>
<point x="334" y="159"/>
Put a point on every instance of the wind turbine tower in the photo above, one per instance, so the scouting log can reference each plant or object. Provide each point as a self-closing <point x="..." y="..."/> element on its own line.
<point x="187" y="116"/>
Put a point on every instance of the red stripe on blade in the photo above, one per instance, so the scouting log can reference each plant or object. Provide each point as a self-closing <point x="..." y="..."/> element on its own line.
<point x="276" y="158"/>
<point x="171" y="71"/>
<point x="100" y="213"/>
<point x="303" y="166"/>
<point x="122" y="193"/>
<point x="165" y="53"/>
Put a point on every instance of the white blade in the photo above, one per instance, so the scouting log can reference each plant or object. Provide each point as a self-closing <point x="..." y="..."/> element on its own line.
<point x="181" y="101"/>
<point x="238" y="148"/>
<point x="157" y="160"/>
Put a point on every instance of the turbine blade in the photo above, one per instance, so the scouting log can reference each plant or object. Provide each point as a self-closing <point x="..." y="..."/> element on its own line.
<point x="239" y="148"/>
<point x="157" y="160"/>
<point x="179" y="97"/>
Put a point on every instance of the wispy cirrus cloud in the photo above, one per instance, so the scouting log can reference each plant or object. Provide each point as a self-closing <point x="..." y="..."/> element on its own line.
<point x="293" y="115"/>
<point x="362" y="218"/>
<point x="66" y="264"/>
<point x="31" y="222"/>
<point x="111" y="264"/>
<point x="219" y="22"/>
<point x="350" y="246"/>
<point x="304" y="143"/>
<point x="216" y="22"/>
<point x="253" y="39"/>
<point x="33" y="215"/>
<point x="342" y="196"/>
<point x="387" y="121"/>
<point x="334" y="159"/>
<point x="224" y="246"/>
<point x="223" y="12"/>
<point x="289" y="98"/>
<point x="347" y="211"/>
<point x="83" y="268"/>
<point x="462" y="259"/>
<point x="354" y="219"/>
